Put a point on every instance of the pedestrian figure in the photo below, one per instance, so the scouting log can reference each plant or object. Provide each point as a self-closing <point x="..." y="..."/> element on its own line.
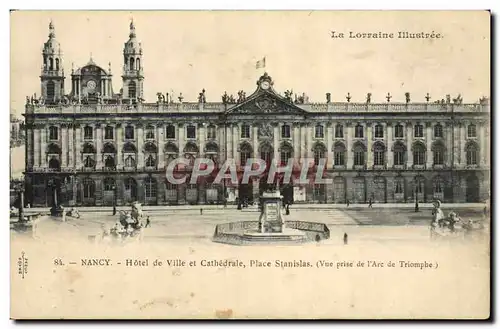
<point x="370" y="203"/>
<point x="201" y="211"/>
<point x="347" y="202"/>
<point x="287" y="210"/>
<point x="114" y="210"/>
<point x="148" y="222"/>
<point x="345" y="238"/>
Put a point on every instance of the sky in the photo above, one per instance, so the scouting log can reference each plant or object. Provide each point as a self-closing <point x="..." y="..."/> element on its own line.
<point x="187" y="51"/>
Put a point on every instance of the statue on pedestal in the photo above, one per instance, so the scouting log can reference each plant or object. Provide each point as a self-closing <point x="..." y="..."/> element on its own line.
<point x="328" y="97"/>
<point x="368" y="98"/>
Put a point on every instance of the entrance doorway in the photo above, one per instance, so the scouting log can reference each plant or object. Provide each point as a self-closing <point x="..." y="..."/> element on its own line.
<point x="472" y="190"/>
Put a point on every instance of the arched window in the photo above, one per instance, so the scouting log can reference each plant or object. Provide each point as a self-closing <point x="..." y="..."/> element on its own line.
<point x="150" y="187"/>
<point x="339" y="131"/>
<point x="359" y="154"/>
<point x="131" y="64"/>
<point x="379" y="131"/>
<point x="150" y="161"/>
<point x="132" y="89"/>
<point x="51" y="63"/>
<point x="109" y="162"/>
<point x="170" y="132"/>
<point x="51" y="90"/>
<point x="211" y="132"/>
<point x="319" y="133"/>
<point x="88" y="148"/>
<point x="138" y="63"/>
<point x="150" y="132"/>
<point x="399" y="154"/>
<point x="129" y="148"/>
<point x="398" y="131"/>
<point x="472" y="154"/>
<point x="379" y="154"/>
<point x="57" y="64"/>
<point x="437" y="185"/>
<point x="130" y="162"/>
<point x="53" y="133"/>
<point x="88" y="188"/>
<point x="245" y="131"/>
<point x="339" y="154"/>
<point x="191" y="148"/>
<point x="191" y="131"/>
<point x="266" y="153"/>
<point x="131" y="187"/>
<point x="129" y="132"/>
<point x="88" y="132"/>
<point x="108" y="132"/>
<point x="438" y="154"/>
<point x="418" y="154"/>
<point x="398" y="186"/>
<point x="438" y="131"/>
<point x="418" y="131"/>
<point x="358" y="131"/>
<point x="108" y="148"/>
<point x="285" y="131"/>
<point x="89" y="162"/>
<point x="54" y="164"/>
<point x="150" y="148"/>
<point x="109" y="184"/>
<point x="471" y="131"/>
<point x="245" y="153"/>
<point x="319" y="153"/>
<point x="285" y="154"/>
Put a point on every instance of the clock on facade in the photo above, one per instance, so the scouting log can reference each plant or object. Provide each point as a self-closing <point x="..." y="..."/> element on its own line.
<point x="91" y="85"/>
<point x="265" y="85"/>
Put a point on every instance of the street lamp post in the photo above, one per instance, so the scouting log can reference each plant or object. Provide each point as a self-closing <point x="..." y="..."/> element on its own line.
<point x="416" y="197"/>
<point x="21" y="205"/>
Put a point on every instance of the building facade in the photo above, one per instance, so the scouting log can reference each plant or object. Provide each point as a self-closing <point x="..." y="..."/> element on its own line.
<point x="16" y="131"/>
<point x="93" y="146"/>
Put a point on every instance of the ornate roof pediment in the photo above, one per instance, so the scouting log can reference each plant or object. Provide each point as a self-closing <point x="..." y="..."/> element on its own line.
<point x="266" y="100"/>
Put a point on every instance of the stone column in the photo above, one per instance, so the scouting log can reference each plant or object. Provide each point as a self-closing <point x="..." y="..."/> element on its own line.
<point x="449" y="145"/>
<point x="369" y="138"/>
<point x="255" y="141"/>
<point x="119" y="146"/>
<point x="222" y="143"/>
<point x="64" y="146"/>
<point x="329" y="145"/>
<point x="30" y="148"/>
<point x="296" y="141"/>
<point x="78" y="147"/>
<point x="309" y="140"/>
<point x="482" y="145"/>
<point x="180" y="138"/>
<point x="160" y="136"/>
<point x="229" y="141"/>
<point x="37" y="146"/>
<point x="71" y="147"/>
<point x="428" y="143"/>
<point x="140" y="147"/>
<point x="98" y="146"/>
<point x="276" y="143"/>
<point x="43" y="147"/>
<point x="348" y="141"/>
<point x="463" y="143"/>
<point x="389" y="139"/>
<point x="201" y="138"/>
<point x="235" y="139"/>
<point x="409" y="146"/>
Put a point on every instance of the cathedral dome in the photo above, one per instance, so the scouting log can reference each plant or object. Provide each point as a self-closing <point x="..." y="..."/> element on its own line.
<point x="52" y="46"/>
<point x="132" y="46"/>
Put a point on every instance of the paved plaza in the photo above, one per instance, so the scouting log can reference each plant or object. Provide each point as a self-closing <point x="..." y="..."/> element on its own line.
<point x="187" y="223"/>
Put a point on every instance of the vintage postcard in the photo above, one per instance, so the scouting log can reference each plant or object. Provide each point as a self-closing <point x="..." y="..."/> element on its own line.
<point x="250" y="165"/>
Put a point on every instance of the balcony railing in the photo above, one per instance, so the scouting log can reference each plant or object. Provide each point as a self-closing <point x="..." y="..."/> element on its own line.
<point x="219" y="107"/>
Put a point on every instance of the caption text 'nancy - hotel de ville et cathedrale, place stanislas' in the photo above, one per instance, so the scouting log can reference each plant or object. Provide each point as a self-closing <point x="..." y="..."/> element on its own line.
<point x="93" y="146"/>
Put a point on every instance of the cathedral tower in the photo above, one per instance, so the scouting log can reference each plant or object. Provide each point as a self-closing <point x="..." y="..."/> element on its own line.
<point x="133" y="74"/>
<point x="52" y="76"/>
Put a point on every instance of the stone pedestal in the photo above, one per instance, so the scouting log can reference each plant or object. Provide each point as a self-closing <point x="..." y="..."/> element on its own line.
<point x="271" y="219"/>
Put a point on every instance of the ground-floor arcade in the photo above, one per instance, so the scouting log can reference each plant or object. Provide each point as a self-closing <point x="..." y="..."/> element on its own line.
<point x="99" y="189"/>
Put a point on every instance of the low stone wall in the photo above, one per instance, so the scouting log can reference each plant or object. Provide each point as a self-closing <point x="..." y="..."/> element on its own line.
<point x="233" y="233"/>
